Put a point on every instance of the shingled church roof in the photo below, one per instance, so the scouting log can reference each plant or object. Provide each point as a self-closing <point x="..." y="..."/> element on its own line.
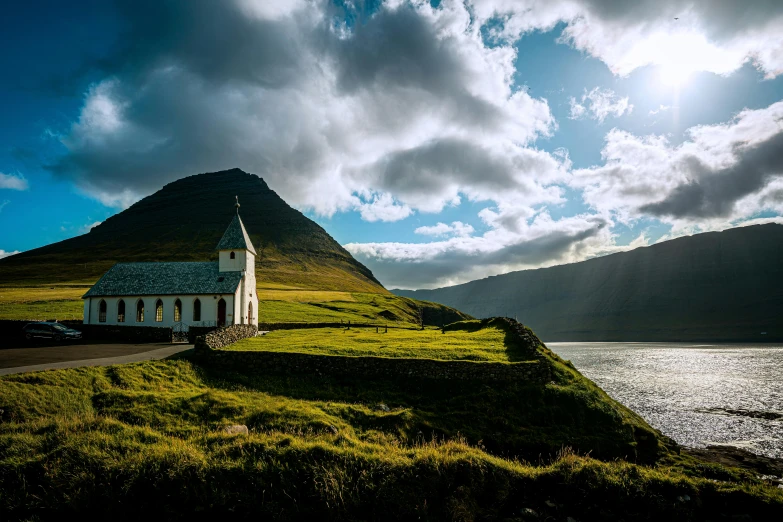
<point x="235" y="237"/>
<point x="165" y="279"/>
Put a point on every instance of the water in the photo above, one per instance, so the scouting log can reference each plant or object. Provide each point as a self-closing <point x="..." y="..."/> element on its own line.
<point x="697" y="394"/>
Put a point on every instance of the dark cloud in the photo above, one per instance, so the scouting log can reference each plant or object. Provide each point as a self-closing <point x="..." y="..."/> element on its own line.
<point x="721" y="19"/>
<point x="216" y="41"/>
<point x="296" y="96"/>
<point x="714" y="193"/>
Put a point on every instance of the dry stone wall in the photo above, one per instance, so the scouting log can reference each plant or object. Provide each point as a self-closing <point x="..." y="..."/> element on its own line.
<point x="221" y="337"/>
<point x="379" y="367"/>
<point x="209" y="352"/>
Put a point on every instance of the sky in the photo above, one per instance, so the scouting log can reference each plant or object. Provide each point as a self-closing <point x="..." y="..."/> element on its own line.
<point x="438" y="141"/>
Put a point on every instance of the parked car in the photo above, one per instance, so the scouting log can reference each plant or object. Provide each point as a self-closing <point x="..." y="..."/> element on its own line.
<point x="55" y="331"/>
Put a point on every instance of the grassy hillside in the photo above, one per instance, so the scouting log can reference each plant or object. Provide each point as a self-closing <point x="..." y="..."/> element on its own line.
<point x="184" y="222"/>
<point x="718" y="286"/>
<point x="148" y="439"/>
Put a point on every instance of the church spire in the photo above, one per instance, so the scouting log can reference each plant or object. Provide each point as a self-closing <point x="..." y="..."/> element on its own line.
<point x="235" y="236"/>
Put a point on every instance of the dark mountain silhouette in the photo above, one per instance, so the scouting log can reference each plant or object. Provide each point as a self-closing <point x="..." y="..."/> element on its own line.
<point x="184" y="222"/>
<point x="719" y="286"/>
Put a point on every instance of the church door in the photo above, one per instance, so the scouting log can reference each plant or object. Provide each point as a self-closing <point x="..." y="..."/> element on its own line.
<point x="222" y="312"/>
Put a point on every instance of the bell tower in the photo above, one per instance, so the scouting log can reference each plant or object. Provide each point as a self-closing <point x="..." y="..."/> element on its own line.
<point x="235" y="250"/>
<point x="236" y="254"/>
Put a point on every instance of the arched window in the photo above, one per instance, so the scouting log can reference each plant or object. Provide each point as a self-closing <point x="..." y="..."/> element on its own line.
<point x="221" y="312"/>
<point x="121" y="311"/>
<point x="102" y="311"/>
<point x="197" y="310"/>
<point x="159" y="311"/>
<point x="177" y="311"/>
<point x="232" y="255"/>
<point x="250" y="319"/>
<point x="139" y="311"/>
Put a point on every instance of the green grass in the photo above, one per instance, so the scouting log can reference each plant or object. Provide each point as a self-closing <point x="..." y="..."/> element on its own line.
<point x="278" y="303"/>
<point x="147" y="439"/>
<point x="42" y="302"/>
<point x="483" y="345"/>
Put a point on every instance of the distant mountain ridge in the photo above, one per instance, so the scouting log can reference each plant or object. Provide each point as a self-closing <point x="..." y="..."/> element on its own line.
<point x="184" y="221"/>
<point x="715" y="286"/>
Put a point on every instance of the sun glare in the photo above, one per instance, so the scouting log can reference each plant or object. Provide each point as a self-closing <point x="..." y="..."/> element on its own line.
<point x="674" y="75"/>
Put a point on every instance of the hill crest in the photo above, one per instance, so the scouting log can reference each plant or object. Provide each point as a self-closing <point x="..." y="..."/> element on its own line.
<point x="184" y="221"/>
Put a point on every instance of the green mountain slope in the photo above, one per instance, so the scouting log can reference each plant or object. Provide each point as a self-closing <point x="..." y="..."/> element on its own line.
<point x="184" y="222"/>
<point x="720" y="286"/>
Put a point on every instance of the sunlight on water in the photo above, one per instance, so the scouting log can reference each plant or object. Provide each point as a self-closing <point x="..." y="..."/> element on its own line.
<point x="698" y="394"/>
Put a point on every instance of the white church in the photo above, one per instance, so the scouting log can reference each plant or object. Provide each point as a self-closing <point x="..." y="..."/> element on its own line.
<point x="181" y="294"/>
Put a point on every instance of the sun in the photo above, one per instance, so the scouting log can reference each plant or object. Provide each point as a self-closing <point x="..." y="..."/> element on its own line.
<point x="674" y="75"/>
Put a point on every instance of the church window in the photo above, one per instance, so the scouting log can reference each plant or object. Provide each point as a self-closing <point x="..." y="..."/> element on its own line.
<point x="177" y="311"/>
<point x="197" y="310"/>
<point x="159" y="311"/>
<point x="233" y="255"/>
<point x="102" y="311"/>
<point x="121" y="311"/>
<point x="140" y="311"/>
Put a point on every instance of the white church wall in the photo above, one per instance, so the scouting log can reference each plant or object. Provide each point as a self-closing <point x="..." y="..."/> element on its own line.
<point x="242" y="260"/>
<point x="209" y="307"/>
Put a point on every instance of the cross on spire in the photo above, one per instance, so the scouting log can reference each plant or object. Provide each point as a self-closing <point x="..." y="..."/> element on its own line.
<point x="237" y="204"/>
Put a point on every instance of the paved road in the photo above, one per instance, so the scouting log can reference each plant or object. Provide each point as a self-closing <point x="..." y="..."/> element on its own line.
<point x="20" y="360"/>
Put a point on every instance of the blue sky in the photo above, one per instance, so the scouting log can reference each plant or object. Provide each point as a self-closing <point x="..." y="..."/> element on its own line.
<point x="439" y="143"/>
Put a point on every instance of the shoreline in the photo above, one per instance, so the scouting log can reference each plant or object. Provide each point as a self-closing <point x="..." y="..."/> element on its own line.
<point x="725" y="455"/>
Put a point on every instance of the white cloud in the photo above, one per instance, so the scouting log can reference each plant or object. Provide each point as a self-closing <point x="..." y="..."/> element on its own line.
<point x="679" y="35"/>
<point x="723" y="173"/>
<point x="382" y="207"/>
<point x="538" y="241"/>
<point x="4" y="253"/>
<point x="661" y="108"/>
<point x="457" y="228"/>
<point x="11" y="182"/>
<point x="4" y="203"/>
<point x="598" y="104"/>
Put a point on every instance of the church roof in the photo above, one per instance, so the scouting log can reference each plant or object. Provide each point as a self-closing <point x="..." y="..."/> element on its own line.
<point x="235" y="237"/>
<point x="165" y="279"/>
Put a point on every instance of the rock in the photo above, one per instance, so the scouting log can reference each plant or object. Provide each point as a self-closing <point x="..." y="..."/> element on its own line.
<point x="383" y="407"/>
<point x="683" y="498"/>
<point x="527" y="512"/>
<point x="550" y="503"/>
<point x="570" y="519"/>
<point x="333" y="429"/>
<point x="237" y="429"/>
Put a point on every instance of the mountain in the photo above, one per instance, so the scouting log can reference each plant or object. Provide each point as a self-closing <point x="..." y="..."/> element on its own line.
<point x="716" y="286"/>
<point x="184" y="222"/>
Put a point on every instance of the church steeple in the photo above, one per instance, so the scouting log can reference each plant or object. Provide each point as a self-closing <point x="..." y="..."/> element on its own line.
<point x="235" y="237"/>
<point x="236" y="252"/>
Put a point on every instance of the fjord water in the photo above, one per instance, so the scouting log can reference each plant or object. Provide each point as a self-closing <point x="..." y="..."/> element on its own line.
<point x="697" y="394"/>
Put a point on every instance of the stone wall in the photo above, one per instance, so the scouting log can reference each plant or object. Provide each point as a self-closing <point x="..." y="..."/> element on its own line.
<point x="209" y="352"/>
<point x="379" y="367"/>
<point x="221" y="337"/>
